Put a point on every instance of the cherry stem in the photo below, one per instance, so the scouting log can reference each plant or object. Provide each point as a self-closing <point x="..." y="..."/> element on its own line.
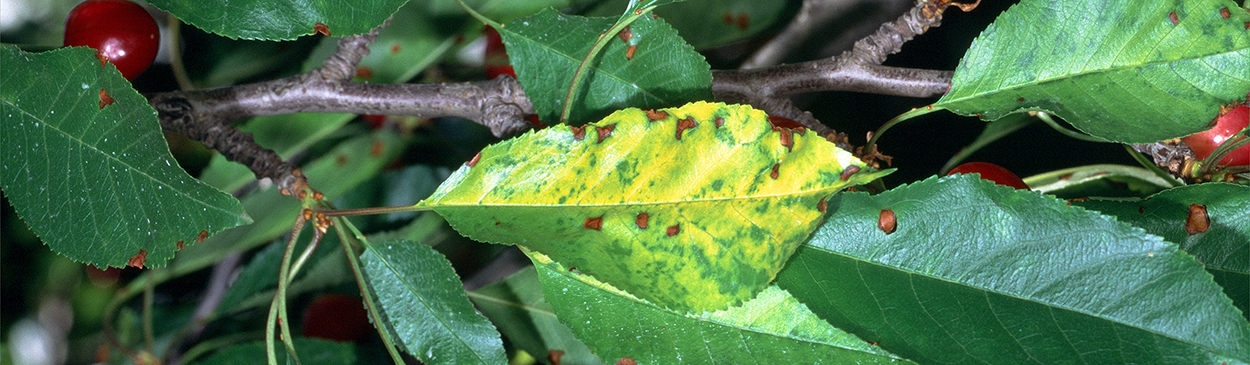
<point x="375" y="210"/>
<point x="374" y="313"/>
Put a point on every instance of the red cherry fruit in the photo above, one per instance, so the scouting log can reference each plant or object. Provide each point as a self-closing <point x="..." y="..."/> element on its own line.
<point x="495" y="57"/>
<point x="337" y="317"/>
<point x="990" y="172"/>
<point x="1204" y="143"/>
<point x="122" y="31"/>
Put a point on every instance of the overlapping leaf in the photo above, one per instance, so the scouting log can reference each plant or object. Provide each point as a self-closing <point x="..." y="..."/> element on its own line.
<point x="546" y="49"/>
<point x="772" y="328"/>
<point x="86" y="166"/>
<point x="516" y="305"/>
<point x="978" y="273"/>
<point x="1223" y="249"/>
<point x="427" y="307"/>
<point x="711" y="23"/>
<point x="1102" y="180"/>
<point x="1124" y="70"/>
<point x="280" y="20"/>
<point x="693" y="208"/>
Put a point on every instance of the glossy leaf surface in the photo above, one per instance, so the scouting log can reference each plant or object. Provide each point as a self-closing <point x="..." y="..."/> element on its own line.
<point x="773" y="328"/>
<point x="280" y="20"/>
<point x="427" y="307"/>
<point x="1223" y="249"/>
<point x="86" y="166"/>
<point x="516" y="305"/>
<point x="546" y="49"/>
<point x="977" y="273"/>
<point x="1134" y="71"/>
<point x="697" y="223"/>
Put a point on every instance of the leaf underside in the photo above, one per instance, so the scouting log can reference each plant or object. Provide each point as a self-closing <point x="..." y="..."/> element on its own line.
<point x="94" y="179"/>
<point x="1120" y="70"/>
<point x="546" y="49"/>
<point x="979" y="273"/>
<point x="705" y="221"/>
<point x="280" y="20"/>
<point x="772" y="328"/>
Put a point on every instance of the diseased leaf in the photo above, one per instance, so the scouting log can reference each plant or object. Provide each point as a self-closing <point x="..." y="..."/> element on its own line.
<point x="979" y="273"/>
<point x="1224" y="249"/>
<point x="280" y="20"/>
<point x="1135" y="71"/>
<point x="546" y="49"/>
<point x="516" y="305"/>
<point x="694" y="208"/>
<point x="772" y="328"/>
<point x="1098" y="181"/>
<point x="427" y="307"/>
<point x="87" y="168"/>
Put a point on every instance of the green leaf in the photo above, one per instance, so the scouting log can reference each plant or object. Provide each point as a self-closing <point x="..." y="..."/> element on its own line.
<point x="1116" y="69"/>
<point x="699" y="222"/>
<point x="97" y="184"/>
<point x="979" y="273"/>
<point x="1098" y="181"/>
<point x="516" y="305"/>
<point x="711" y="23"/>
<point x="546" y="49"/>
<point x="1223" y="250"/>
<point x="280" y="20"/>
<point x="773" y="328"/>
<point x="311" y="351"/>
<point x="427" y="307"/>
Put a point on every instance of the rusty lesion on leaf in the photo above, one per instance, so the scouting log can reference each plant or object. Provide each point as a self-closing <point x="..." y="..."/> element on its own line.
<point x="673" y="230"/>
<point x="322" y="29"/>
<point x="595" y="223"/>
<point x="105" y="99"/>
<point x="200" y="237"/>
<point x="684" y="124"/>
<point x="776" y="171"/>
<point x="848" y="172"/>
<point x="656" y="115"/>
<point x="642" y="220"/>
<point x="787" y="137"/>
<point x="1176" y="20"/>
<point x="138" y="260"/>
<point x="579" y="133"/>
<point x="1198" y="221"/>
<point x="473" y="162"/>
<point x="605" y="131"/>
<point x="1225" y="13"/>
<point x="886" y="221"/>
<point x="823" y="204"/>
<point x="180" y="245"/>
<point x="719" y="122"/>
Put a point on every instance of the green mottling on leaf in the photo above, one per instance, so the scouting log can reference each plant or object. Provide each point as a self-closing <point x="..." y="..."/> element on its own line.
<point x="688" y="261"/>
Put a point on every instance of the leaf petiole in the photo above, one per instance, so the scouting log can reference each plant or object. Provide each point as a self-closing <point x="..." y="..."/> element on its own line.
<point x="375" y="210"/>
<point x="601" y="42"/>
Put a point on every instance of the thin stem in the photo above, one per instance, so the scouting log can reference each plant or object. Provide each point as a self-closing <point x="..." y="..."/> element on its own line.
<point x="375" y="314"/>
<point x="279" y="296"/>
<point x="1045" y="117"/>
<point x="1232" y="143"/>
<point x="896" y="120"/>
<point x="175" y="53"/>
<point x="579" y="75"/>
<point x="149" y="339"/>
<point x="377" y="210"/>
<point x="1150" y="165"/>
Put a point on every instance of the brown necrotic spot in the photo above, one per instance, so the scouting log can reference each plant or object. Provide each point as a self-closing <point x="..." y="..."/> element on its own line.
<point x="376" y="148"/>
<point x="629" y="52"/>
<point x="605" y="131"/>
<point x="1198" y="221"/>
<point x="101" y="57"/>
<point x="473" y="162"/>
<point x="105" y="99"/>
<point x="138" y="260"/>
<point x="642" y="219"/>
<point x="1141" y="209"/>
<point x="180" y="245"/>
<point x="625" y="34"/>
<point x="823" y="205"/>
<point x="787" y="138"/>
<point x="673" y="230"/>
<point x="1175" y="19"/>
<point x="848" y="171"/>
<point x="1224" y="13"/>
<point x="744" y="21"/>
<point x="626" y="361"/>
<point x="579" y="133"/>
<point x="776" y="171"/>
<point x="321" y="29"/>
<point x="656" y="115"/>
<point x="364" y="72"/>
<point x="553" y="356"/>
<point x="719" y="122"/>
<point x="684" y="124"/>
<point x="886" y="221"/>
<point x="594" y="223"/>
<point x="395" y="48"/>
<point x="200" y="237"/>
